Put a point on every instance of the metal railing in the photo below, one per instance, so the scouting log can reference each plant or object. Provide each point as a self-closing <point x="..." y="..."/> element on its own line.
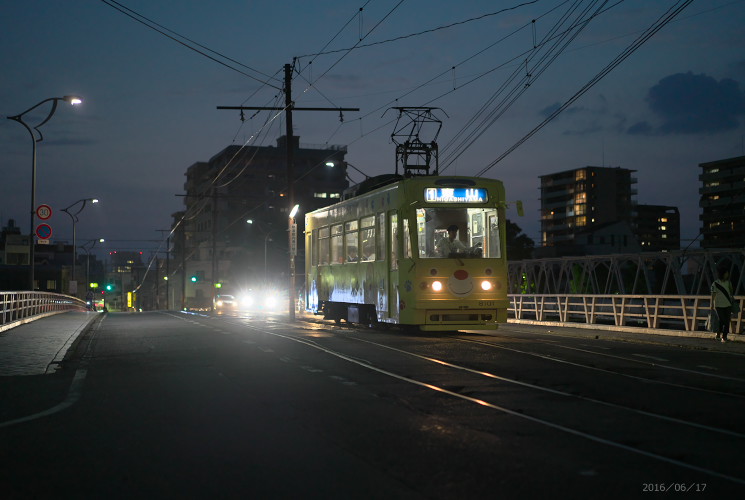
<point x="21" y="307"/>
<point x="687" y="313"/>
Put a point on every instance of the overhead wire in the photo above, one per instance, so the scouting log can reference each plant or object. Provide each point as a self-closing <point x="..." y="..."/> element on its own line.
<point x="458" y="64"/>
<point x="663" y="20"/>
<point x="348" y="51"/>
<point x="178" y="39"/>
<point x="560" y="40"/>
<point x="411" y="35"/>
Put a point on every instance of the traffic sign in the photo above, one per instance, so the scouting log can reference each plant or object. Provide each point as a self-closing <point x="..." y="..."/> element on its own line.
<point x="293" y="239"/>
<point x="44" y="231"/>
<point x="44" y="212"/>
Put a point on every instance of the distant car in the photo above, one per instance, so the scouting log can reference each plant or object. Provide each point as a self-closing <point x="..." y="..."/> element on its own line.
<point x="266" y="300"/>
<point x="225" y="303"/>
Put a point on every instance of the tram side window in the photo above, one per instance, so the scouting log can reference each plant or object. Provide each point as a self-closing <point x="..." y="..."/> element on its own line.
<point x="352" y="245"/>
<point x="367" y="238"/>
<point x="394" y="241"/>
<point x="380" y="253"/>
<point x="337" y="244"/>
<point x="477" y="229"/>
<point x="323" y="246"/>
<point x="495" y="249"/>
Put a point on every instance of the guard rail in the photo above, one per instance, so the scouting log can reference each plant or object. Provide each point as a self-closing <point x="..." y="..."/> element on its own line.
<point x="660" y="312"/>
<point x="21" y="307"/>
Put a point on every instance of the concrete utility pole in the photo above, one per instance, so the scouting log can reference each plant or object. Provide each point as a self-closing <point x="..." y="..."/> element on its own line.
<point x="288" y="109"/>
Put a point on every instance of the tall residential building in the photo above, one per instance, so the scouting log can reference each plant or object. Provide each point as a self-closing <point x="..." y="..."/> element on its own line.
<point x="723" y="203"/>
<point x="576" y="201"/>
<point x="658" y="228"/>
<point x="216" y="244"/>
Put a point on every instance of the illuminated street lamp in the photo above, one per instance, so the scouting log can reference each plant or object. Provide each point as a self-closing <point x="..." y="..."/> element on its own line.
<point x="74" y="217"/>
<point x="38" y="137"/>
<point x="87" y="249"/>
<point x="293" y="251"/>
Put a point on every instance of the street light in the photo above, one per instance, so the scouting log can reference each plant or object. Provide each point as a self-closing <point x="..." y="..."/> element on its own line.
<point x="74" y="217"/>
<point x="87" y="249"/>
<point x="293" y="250"/>
<point x="73" y="100"/>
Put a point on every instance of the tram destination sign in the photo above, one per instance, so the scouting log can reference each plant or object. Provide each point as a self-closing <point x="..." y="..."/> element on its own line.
<point x="455" y="195"/>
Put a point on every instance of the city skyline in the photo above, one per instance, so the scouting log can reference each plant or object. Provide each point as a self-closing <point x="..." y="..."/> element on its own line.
<point x="149" y="104"/>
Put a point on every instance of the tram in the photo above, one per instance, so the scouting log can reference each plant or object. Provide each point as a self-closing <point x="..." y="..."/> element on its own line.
<point x="425" y="251"/>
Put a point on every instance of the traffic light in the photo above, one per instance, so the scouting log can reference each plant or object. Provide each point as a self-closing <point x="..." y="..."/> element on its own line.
<point x="194" y="278"/>
<point x="109" y="287"/>
<point x="218" y="285"/>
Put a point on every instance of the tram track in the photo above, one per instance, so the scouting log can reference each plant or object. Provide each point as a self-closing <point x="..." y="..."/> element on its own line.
<point x="617" y="373"/>
<point x="485" y="402"/>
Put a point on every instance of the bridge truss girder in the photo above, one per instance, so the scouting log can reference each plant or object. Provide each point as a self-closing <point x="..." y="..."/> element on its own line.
<point x="663" y="273"/>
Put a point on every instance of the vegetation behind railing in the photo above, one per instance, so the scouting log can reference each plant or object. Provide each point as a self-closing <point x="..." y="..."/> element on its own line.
<point x="667" y="312"/>
<point x="21" y="307"/>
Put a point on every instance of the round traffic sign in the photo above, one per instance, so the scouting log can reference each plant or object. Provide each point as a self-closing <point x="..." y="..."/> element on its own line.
<point x="44" y="231"/>
<point x="44" y="212"/>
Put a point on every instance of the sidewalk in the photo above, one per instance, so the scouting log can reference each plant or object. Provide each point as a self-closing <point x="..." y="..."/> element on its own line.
<point x="37" y="347"/>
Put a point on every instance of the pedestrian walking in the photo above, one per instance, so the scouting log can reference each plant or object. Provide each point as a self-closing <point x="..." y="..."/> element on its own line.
<point x="721" y="302"/>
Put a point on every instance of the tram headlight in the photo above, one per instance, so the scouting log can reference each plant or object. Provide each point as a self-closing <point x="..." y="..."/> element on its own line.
<point x="437" y="286"/>
<point x="486" y="285"/>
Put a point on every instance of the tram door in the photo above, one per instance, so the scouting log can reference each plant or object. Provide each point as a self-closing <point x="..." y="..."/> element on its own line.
<point x="393" y="247"/>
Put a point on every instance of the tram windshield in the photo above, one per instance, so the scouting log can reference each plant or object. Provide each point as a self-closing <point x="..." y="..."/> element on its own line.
<point x="458" y="232"/>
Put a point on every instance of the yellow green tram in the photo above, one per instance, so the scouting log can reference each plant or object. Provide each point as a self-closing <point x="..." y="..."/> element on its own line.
<point x="387" y="255"/>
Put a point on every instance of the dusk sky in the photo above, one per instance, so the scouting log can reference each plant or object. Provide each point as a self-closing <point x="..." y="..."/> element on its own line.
<point x="149" y="109"/>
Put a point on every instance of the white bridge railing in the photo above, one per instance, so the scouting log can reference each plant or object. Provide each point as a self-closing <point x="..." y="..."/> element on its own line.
<point x="666" y="312"/>
<point x="21" y="307"/>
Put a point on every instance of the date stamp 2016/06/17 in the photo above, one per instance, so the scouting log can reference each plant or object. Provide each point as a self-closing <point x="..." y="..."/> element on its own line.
<point x="676" y="487"/>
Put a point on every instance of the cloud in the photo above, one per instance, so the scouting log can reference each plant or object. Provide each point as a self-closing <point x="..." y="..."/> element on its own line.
<point x="687" y="104"/>
<point x="585" y="120"/>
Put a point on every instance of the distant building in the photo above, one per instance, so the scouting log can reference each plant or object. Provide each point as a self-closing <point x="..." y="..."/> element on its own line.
<point x="577" y="201"/>
<point x="125" y="273"/>
<point x="216" y="244"/>
<point x="658" y="228"/>
<point x="722" y="203"/>
<point x="13" y="245"/>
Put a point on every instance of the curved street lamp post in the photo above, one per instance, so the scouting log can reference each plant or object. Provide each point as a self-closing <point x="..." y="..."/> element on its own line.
<point x="87" y="250"/>
<point x="74" y="218"/>
<point x="38" y="137"/>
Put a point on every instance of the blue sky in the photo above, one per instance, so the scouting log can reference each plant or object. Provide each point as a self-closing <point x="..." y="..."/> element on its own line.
<point x="150" y="104"/>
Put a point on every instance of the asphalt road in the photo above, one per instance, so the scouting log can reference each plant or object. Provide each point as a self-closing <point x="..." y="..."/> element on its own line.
<point x="172" y="405"/>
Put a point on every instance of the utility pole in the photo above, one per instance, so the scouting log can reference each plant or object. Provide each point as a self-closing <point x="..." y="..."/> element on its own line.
<point x="214" y="246"/>
<point x="288" y="109"/>
<point x="168" y="270"/>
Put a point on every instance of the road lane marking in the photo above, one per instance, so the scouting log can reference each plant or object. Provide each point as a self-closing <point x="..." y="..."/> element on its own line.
<point x="73" y="395"/>
<point x="646" y="356"/>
